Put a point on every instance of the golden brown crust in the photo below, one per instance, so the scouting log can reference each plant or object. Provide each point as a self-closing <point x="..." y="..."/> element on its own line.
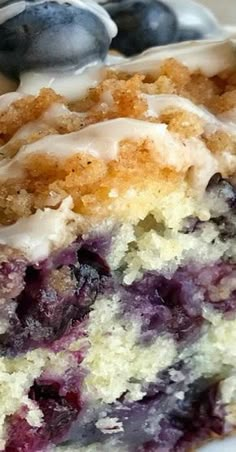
<point x="90" y="181"/>
<point x="213" y="437"/>
<point x="182" y="122"/>
<point x="25" y="110"/>
<point x="219" y="141"/>
<point x="216" y="93"/>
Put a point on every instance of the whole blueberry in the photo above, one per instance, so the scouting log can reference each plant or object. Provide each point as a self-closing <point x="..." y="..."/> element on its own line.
<point x="141" y="24"/>
<point x="51" y="35"/>
<point x="189" y="35"/>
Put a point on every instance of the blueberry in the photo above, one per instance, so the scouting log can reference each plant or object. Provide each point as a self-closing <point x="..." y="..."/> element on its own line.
<point x="160" y="421"/>
<point x="56" y="295"/>
<point x="223" y="189"/>
<point x="147" y="23"/>
<point x="141" y="24"/>
<point x="59" y="401"/>
<point x="189" y="35"/>
<point x="195" y="21"/>
<point x="51" y="35"/>
<point x="164" y="305"/>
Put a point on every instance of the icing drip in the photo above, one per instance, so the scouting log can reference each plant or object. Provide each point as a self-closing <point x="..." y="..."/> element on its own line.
<point x="37" y="235"/>
<point x="211" y="57"/>
<point x="102" y="141"/>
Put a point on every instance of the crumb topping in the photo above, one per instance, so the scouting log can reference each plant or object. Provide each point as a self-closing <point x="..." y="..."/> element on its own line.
<point x="90" y="180"/>
<point x="25" y="110"/>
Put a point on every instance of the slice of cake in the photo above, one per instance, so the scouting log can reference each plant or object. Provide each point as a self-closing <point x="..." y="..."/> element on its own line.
<point x="118" y="256"/>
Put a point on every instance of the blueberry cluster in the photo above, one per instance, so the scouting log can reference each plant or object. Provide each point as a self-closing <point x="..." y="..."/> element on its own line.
<point x="62" y="35"/>
<point x="178" y="422"/>
<point x="148" y="23"/>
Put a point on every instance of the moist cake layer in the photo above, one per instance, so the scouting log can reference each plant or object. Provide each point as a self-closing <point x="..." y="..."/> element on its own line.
<point x="117" y="260"/>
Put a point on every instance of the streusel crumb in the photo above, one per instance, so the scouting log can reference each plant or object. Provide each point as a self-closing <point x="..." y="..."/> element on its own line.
<point x="25" y="110"/>
<point x="184" y="123"/>
<point x="90" y="180"/>
<point x="220" y="141"/>
<point x="86" y="179"/>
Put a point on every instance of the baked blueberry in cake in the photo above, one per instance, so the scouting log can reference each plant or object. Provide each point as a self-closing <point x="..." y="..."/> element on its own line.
<point x="117" y="238"/>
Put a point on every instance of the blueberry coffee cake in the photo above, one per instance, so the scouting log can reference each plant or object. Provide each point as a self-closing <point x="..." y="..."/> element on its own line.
<point x="117" y="238"/>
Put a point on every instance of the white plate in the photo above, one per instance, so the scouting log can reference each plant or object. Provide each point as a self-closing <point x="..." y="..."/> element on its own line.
<point x="226" y="445"/>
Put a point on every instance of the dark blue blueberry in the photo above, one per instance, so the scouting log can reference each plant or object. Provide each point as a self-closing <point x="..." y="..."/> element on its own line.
<point x="158" y="422"/>
<point x="147" y="23"/>
<point x="195" y="21"/>
<point x="58" y="294"/>
<point x="165" y="305"/>
<point x="60" y="404"/>
<point x="50" y="35"/>
<point x="142" y="24"/>
<point x="223" y="189"/>
<point x="189" y="35"/>
<point x="175" y="305"/>
<point x="160" y="419"/>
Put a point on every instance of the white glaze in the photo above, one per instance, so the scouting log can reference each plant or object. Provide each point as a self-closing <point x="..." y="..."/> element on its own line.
<point x="72" y="84"/>
<point x="229" y="117"/>
<point x="211" y="57"/>
<point x="102" y="141"/>
<point x="7" y="99"/>
<point x="195" y="55"/>
<point x="158" y="103"/>
<point x="12" y="10"/>
<point x="56" y="111"/>
<point x="38" y="235"/>
<point x="49" y="118"/>
<point x="75" y="84"/>
<point x="92" y="6"/>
